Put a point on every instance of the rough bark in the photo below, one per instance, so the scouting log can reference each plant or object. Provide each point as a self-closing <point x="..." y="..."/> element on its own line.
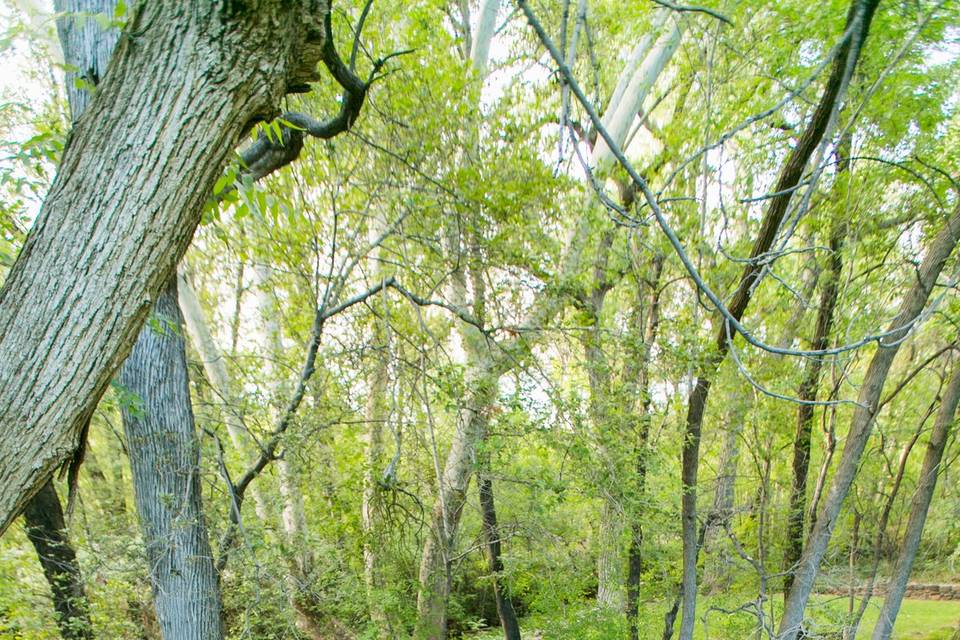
<point x="918" y="509"/>
<point x="938" y="250"/>
<point x="85" y="46"/>
<point x="45" y="527"/>
<point x="164" y="459"/>
<point x="491" y="540"/>
<point x="185" y="82"/>
<point x="858" y="22"/>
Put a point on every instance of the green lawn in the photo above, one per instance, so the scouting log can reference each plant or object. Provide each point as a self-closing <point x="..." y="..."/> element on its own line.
<point x="918" y="620"/>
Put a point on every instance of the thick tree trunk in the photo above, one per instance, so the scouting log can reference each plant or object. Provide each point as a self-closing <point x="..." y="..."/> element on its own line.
<point x="47" y="531"/>
<point x="858" y="21"/>
<point x="186" y="81"/>
<point x="491" y="540"/>
<point x="85" y="47"/>
<point x="164" y="458"/>
<point x="918" y="509"/>
<point x="937" y="252"/>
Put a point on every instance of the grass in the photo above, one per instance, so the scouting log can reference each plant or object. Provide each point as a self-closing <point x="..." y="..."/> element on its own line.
<point x="918" y="620"/>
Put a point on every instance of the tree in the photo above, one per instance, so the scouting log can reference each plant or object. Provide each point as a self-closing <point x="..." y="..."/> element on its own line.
<point x="918" y="508"/>
<point x="132" y="183"/>
<point x="165" y="459"/>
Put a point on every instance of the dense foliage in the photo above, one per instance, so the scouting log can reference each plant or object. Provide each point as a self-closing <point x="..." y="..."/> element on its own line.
<point x="468" y="189"/>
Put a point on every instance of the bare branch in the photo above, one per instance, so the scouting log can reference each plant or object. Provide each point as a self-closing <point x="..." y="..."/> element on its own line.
<point x="694" y="9"/>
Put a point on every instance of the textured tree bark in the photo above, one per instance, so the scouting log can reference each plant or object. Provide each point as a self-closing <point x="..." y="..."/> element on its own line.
<point x="858" y="22"/>
<point x="87" y="47"/>
<point x="938" y="250"/>
<point x="491" y="540"/>
<point x="164" y="459"/>
<point x="186" y="81"/>
<point x="808" y="392"/>
<point x="918" y="508"/>
<point x="47" y="531"/>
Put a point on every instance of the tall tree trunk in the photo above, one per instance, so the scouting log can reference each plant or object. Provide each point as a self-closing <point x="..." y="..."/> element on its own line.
<point x="293" y="516"/>
<point x="918" y="508"/>
<point x="881" y="534"/>
<point x="858" y="22"/>
<point x="646" y="323"/>
<point x="86" y="48"/>
<point x="377" y="416"/>
<point x="183" y="86"/>
<point x="936" y="254"/>
<point x="47" y="531"/>
<point x="164" y="459"/>
<point x="491" y="540"/>
<point x="808" y="392"/>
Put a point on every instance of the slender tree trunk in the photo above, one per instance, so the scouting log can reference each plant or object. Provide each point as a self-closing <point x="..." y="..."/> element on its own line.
<point x="164" y="458"/>
<point x="435" y="563"/>
<point x="43" y="519"/>
<point x="293" y="516"/>
<point x="377" y="415"/>
<point x="936" y="254"/>
<point x="215" y="367"/>
<point x="808" y="393"/>
<point x="491" y="540"/>
<point x="858" y="21"/>
<point x="881" y="533"/>
<point x="918" y="508"/>
<point x="647" y="324"/>
<point x="183" y="85"/>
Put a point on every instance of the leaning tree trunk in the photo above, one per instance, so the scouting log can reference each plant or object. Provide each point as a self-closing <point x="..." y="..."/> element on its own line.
<point x="918" y="509"/>
<point x="858" y="22"/>
<point x="164" y="458"/>
<point x="47" y="531"/>
<point x="937" y="252"/>
<point x="185" y="82"/>
<point x="86" y="48"/>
